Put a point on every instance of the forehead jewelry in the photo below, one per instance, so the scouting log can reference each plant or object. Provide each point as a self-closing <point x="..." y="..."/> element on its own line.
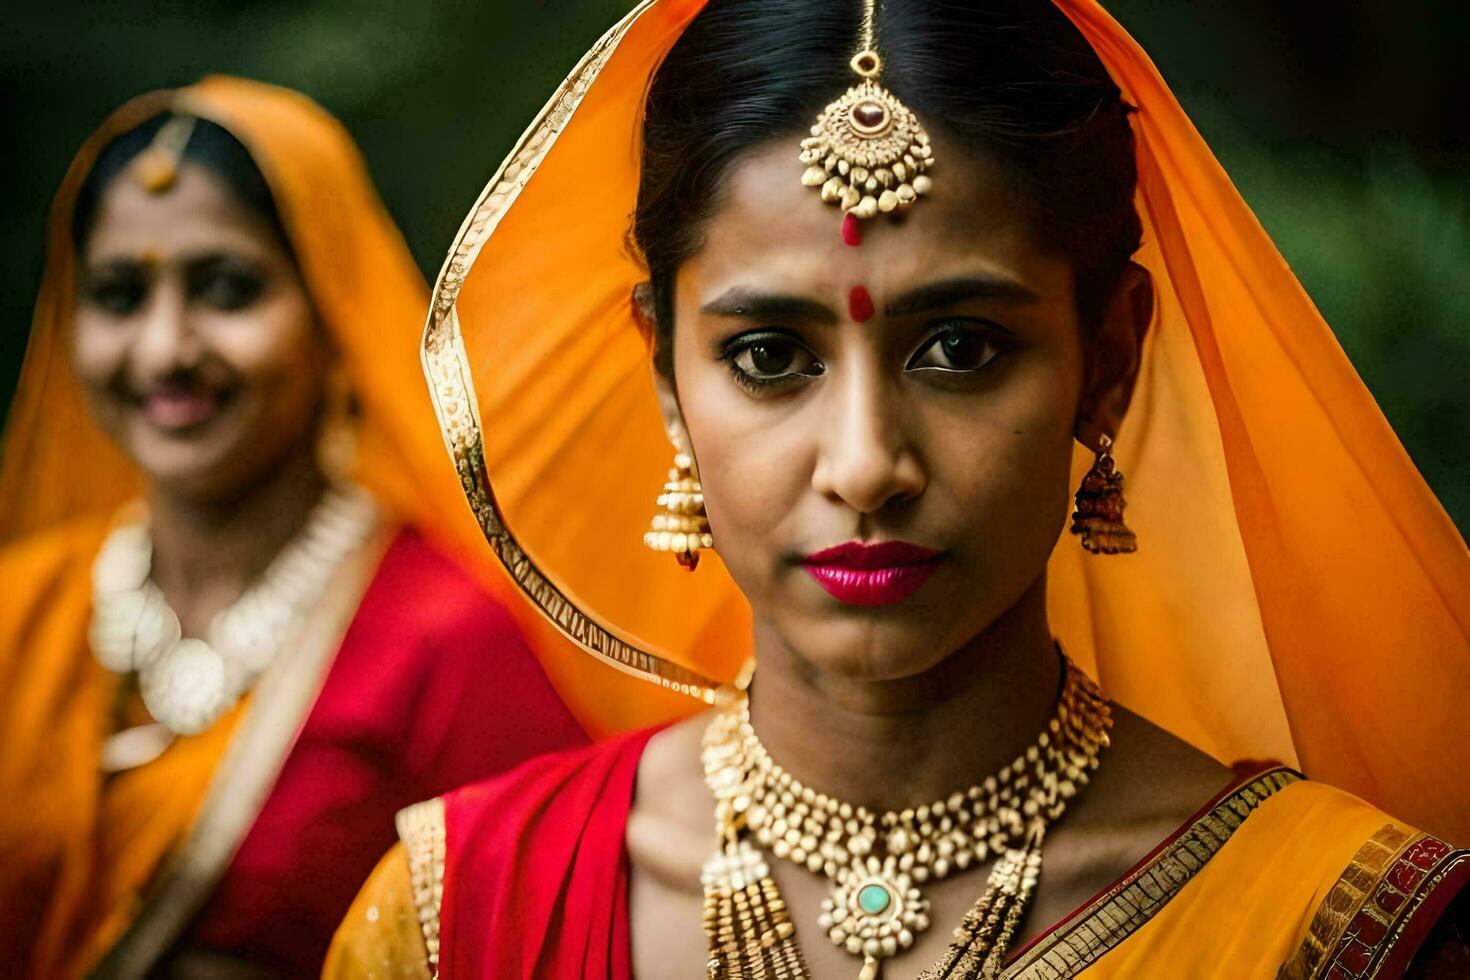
<point x="867" y="152"/>
<point x="157" y="167"/>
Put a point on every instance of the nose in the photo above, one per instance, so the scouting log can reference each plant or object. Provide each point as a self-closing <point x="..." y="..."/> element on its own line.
<point x="165" y="340"/>
<point x="866" y="459"/>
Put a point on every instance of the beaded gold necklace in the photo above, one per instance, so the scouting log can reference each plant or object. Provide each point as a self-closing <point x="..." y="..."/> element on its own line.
<point x="877" y="861"/>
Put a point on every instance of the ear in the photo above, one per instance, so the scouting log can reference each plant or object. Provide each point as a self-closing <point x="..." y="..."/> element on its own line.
<point x="668" y="406"/>
<point x="1114" y="354"/>
<point x="641" y="303"/>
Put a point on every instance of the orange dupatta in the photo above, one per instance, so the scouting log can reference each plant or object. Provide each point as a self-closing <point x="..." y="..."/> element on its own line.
<point x="1299" y="593"/>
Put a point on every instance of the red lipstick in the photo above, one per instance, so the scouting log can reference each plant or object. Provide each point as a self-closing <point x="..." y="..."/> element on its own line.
<point x="872" y="574"/>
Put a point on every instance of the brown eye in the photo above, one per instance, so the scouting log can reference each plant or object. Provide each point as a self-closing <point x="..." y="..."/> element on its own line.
<point x="957" y="349"/>
<point x="225" y="285"/>
<point x="772" y="358"/>
<point x="119" y="290"/>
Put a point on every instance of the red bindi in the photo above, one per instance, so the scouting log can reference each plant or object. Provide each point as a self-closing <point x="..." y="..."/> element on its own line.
<point x="852" y="232"/>
<point x="860" y="304"/>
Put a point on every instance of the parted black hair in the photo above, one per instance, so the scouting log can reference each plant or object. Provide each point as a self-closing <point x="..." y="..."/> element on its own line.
<point x="210" y="145"/>
<point x="1012" y="78"/>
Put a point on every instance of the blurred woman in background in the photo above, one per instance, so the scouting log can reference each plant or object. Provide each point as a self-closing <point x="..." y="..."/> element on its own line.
<point x="232" y="643"/>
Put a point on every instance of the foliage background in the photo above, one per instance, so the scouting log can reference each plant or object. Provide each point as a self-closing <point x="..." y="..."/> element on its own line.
<point x="1340" y="121"/>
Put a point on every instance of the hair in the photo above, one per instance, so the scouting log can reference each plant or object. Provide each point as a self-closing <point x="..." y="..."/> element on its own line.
<point x="210" y="146"/>
<point x="1013" y="79"/>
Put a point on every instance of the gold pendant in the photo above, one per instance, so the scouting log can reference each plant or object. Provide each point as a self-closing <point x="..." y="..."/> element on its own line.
<point x="874" y="911"/>
<point x="867" y="151"/>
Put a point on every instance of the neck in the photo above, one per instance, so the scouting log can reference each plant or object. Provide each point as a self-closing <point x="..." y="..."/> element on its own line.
<point x="207" y="551"/>
<point x="894" y="744"/>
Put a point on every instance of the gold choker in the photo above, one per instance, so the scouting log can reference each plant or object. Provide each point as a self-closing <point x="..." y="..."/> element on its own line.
<point x="877" y="861"/>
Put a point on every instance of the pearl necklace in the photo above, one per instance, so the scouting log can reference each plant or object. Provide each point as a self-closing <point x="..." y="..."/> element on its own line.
<point x="187" y="683"/>
<point x="876" y="861"/>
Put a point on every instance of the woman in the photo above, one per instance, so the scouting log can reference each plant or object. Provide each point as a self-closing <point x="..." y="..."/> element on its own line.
<point x="911" y="274"/>
<point x="215" y="698"/>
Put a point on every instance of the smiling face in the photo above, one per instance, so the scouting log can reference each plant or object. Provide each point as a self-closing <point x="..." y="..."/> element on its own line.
<point x="923" y="387"/>
<point x="195" y="342"/>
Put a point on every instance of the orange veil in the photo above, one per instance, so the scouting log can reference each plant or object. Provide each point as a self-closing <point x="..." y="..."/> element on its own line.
<point x="1299" y="593"/>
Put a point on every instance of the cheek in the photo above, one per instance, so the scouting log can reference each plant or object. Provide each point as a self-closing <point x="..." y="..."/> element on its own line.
<point x="1003" y="463"/>
<point x="750" y="457"/>
<point x="99" y="348"/>
<point x="275" y="350"/>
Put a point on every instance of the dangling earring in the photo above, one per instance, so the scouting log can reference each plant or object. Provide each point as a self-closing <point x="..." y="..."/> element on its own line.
<point x="336" y="442"/>
<point x="1099" y="514"/>
<point x="681" y="525"/>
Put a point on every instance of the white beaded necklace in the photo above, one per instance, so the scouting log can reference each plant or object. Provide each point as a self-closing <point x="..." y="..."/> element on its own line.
<point x="187" y="683"/>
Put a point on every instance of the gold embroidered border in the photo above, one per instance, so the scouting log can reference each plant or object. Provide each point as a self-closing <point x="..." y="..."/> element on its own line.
<point x="1347" y="895"/>
<point x="421" y="828"/>
<point x="1113" y="917"/>
<point x="1455" y="861"/>
<point x="447" y="369"/>
<point x="1369" y="906"/>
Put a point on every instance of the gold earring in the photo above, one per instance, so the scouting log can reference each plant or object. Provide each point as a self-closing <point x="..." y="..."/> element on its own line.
<point x="1099" y="514"/>
<point x="336" y="441"/>
<point x="681" y="525"/>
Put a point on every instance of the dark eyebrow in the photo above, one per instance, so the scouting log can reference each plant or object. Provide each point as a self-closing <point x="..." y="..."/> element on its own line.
<point x="739" y="301"/>
<point x="948" y="292"/>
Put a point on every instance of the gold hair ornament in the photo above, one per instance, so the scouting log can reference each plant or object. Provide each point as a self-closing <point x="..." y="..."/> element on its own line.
<point x="157" y="167"/>
<point x="867" y="152"/>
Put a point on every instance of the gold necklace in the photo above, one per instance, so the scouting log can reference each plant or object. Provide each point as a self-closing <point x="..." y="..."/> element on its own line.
<point x="187" y="683"/>
<point x="876" y="862"/>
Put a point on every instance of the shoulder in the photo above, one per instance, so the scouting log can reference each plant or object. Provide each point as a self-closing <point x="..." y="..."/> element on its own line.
<point x="58" y="550"/>
<point x="47" y="592"/>
<point x="388" y="927"/>
<point x="1149" y="783"/>
<point x="423" y="610"/>
<point x="544" y="789"/>
<point x="422" y="585"/>
<point x="669" y="825"/>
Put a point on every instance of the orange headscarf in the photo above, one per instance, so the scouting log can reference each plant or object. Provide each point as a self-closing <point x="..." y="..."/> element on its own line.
<point x="1298" y="594"/>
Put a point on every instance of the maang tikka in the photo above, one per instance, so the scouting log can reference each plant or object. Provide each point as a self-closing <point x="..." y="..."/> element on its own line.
<point x="867" y="152"/>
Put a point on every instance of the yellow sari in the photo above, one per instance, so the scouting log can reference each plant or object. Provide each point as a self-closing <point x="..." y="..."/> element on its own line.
<point x="1329" y="628"/>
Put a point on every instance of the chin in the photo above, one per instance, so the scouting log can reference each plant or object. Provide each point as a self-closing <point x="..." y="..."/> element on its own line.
<point x="203" y="470"/>
<point x="871" y="651"/>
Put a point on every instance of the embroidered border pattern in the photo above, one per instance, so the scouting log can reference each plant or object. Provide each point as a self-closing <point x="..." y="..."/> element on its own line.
<point x="1365" y="913"/>
<point x="447" y="369"/>
<point x="421" y="828"/>
<point x="1116" y="915"/>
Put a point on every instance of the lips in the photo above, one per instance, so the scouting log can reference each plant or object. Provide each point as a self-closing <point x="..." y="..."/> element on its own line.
<point x="879" y="574"/>
<point x="177" y="407"/>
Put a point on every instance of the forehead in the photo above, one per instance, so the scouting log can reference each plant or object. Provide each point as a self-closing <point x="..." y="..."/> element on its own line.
<point x="197" y="212"/>
<point x="771" y="229"/>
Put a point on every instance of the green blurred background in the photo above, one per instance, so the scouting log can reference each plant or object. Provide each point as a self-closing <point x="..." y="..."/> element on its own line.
<point x="1341" y="122"/>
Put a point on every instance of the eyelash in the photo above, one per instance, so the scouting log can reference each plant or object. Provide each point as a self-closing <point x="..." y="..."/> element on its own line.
<point x="752" y="384"/>
<point x="983" y="330"/>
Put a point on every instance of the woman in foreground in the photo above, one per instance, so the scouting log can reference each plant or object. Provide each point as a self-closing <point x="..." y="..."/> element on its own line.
<point x="895" y="264"/>
<point x="216" y="696"/>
